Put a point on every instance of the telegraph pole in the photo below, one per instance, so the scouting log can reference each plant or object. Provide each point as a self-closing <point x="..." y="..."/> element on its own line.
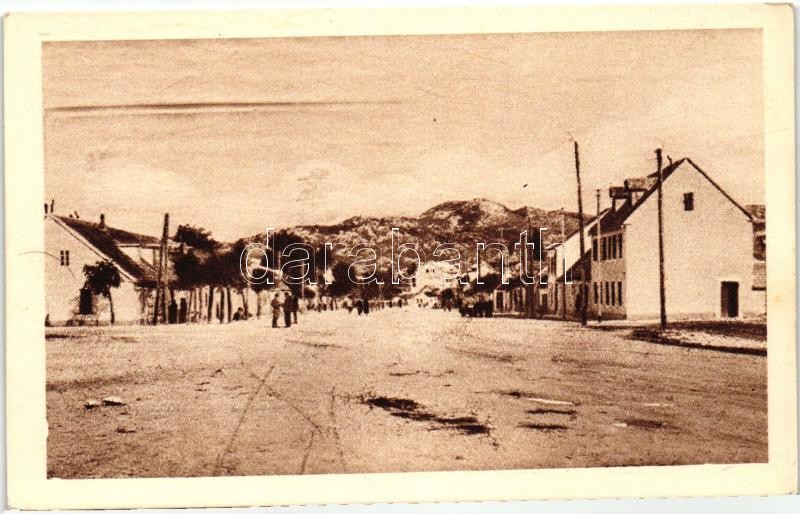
<point x="564" y="265"/>
<point x="585" y="264"/>
<point x="600" y="258"/>
<point x="530" y="295"/>
<point x="161" y="264"/>
<point x="662" y="296"/>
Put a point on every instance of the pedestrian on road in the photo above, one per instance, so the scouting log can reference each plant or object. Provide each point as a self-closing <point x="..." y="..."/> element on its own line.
<point x="172" y="312"/>
<point x="238" y="315"/>
<point x="182" y="310"/>
<point x="276" y="310"/>
<point x="287" y="309"/>
<point x="295" y="307"/>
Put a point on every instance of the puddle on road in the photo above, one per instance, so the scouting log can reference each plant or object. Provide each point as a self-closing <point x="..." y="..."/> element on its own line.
<point x="545" y="427"/>
<point x="567" y="412"/>
<point x="514" y="393"/>
<point x="409" y="409"/>
<point x="313" y="344"/>
<point x="500" y="357"/>
<point x="647" y="424"/>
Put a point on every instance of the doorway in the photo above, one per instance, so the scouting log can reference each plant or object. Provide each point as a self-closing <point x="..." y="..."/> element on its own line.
<point x="729" y="299"/>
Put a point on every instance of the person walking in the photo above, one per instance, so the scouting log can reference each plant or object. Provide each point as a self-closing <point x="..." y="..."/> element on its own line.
<point x="287" y="309"/>
<point x="182" y="311"/>
<point x="276" y="310"/>
<point x="172" y="312"/>
<point x="295" y="307"/>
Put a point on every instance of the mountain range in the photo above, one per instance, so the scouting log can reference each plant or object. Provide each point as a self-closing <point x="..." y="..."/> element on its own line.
<point x="466" y="222"/>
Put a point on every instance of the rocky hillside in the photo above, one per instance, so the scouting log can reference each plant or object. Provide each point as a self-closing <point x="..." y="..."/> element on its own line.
<point x="464" y="222"/>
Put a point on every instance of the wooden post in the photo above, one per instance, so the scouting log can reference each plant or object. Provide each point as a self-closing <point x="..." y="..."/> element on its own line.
<point x="600" y="258"/>
<point x="662" y="296"/>
<point x="161" y="263"/>
<point x="564" y="261"/>
<point x="530" y="289"/>
<point x="584" y="292"/>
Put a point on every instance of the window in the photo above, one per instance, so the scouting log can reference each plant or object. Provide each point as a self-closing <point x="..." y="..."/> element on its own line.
<point x="595" y="292"/>
<point x="688" y="201"/>
<point x="613" y="294"/>
<point x="606" y="288"/>
<point x="619" y="293"/>
<point x="64" y="257"/>
<point x="605" y="248"/>
<point x="619" y="239"/>
<point x="614" y="246"/>
<point x="594" y="249"/>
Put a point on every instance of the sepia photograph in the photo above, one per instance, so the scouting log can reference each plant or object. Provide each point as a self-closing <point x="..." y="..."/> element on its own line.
<point x="425" y="360"/>
<point x="395" y="253"/>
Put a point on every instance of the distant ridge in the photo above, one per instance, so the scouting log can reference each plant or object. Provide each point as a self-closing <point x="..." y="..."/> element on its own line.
<point x="465" y="222"/>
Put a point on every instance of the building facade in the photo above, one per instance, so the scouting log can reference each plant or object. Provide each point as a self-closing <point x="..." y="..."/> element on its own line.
<point x="707" y="246"/>
<point x="72" y="243"/>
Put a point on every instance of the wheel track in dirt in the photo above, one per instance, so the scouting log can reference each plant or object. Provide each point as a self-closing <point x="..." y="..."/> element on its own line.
<point x="318" y="431"/>
<point x="239" y="423"/>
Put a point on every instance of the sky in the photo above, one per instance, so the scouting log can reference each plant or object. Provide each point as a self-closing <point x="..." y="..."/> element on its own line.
<point x="237" y="135"/>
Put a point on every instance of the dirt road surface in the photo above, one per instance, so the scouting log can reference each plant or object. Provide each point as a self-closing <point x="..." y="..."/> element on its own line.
<point x="398" y="390"/>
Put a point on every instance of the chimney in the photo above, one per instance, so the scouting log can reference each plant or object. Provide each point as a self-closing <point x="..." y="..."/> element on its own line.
<point x="616" y="194"/>
<point x="45" y="207"/>
<point x="102" y="221"/>
<point x="52" y="206"/>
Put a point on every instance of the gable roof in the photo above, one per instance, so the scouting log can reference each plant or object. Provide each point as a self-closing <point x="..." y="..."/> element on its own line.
<point x="615" y="219"/>
<point x="575" y="272"/>
<point x="588" y="225"/>
<point x="108" y="240"/>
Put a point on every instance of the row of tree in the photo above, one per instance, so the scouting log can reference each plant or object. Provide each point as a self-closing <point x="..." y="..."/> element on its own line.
<point x="211" y="272"/>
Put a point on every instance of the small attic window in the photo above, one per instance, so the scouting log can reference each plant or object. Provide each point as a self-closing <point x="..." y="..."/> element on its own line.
<point x="688" y="201"/>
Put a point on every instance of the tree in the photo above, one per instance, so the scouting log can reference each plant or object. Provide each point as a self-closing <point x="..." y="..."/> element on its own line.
<point x="197" y="266"/>
<point x="489" y="283"/>
<point x="100" y="279"/>
<point x="196" y="237"/>
<point x="341" y="284"/>
<point x="188" y="269"/>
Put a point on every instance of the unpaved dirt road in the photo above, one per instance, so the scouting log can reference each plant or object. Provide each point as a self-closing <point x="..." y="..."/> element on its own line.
<point x="399" y="390"/>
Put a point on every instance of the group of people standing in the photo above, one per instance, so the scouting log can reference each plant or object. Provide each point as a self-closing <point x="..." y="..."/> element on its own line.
<point x="289" y="306"/>
<point x="363" y="306"/>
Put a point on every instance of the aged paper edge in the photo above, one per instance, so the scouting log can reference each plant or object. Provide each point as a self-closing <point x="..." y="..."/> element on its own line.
<point x="28" y="487"/>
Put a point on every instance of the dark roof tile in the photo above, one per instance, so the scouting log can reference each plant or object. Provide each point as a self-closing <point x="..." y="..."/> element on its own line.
<point x="108" y="240"/>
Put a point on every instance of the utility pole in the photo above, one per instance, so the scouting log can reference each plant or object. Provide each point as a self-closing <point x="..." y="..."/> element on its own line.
<point x="564" y="265"/>
<point x="161" y="264"/>
<point x="600" y="257"/>
<point x="662" y="296"/>
<point x="530" y="289"/>
<point x="585" y="264"/>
